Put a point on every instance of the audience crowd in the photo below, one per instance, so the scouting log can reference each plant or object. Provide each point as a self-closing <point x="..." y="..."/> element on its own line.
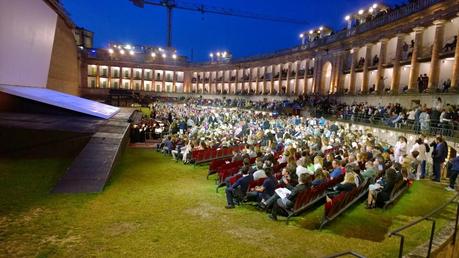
<point x="295" y="153"/>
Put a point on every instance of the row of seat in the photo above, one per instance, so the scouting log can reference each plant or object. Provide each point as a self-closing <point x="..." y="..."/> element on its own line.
<point x="207" y="155"/>
<point x="310" y="197"/>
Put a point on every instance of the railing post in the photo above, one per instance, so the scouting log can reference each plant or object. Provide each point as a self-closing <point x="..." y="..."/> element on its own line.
<point x="402" y="242"/>
<point x="455" y="226"/>
<point x="432" y="232"/>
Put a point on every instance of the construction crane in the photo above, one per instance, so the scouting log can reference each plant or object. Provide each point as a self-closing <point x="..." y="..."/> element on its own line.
<point x="173" y="4"/>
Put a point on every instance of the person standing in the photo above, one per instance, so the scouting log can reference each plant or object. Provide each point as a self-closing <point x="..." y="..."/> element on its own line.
<point x="439" y="154"/>
<point x="420" y="147"/>
<point x="400" y="149"/>
<point x="453" y="172"/>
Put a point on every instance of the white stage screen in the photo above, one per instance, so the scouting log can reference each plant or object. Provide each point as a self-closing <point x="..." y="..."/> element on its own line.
<point x="62" y="100"/>
<point x="27" y="30"/>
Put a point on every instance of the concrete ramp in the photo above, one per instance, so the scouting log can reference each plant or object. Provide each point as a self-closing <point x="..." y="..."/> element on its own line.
<point x="91" y="169"/>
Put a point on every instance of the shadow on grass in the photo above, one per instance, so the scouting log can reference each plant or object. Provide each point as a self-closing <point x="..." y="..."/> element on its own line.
<point x="374" y="224"/>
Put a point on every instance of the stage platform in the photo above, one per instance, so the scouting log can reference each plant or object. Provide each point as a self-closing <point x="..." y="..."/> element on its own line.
<point x="91" y="169"/>
<point x="61" y="100"/>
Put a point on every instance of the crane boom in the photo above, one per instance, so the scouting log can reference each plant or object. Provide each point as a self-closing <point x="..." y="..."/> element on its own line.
<point x="195" y="7"/>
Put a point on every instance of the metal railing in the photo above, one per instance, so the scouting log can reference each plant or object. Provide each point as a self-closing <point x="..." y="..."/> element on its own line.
<point x="428" y="217"/>
<point x="352" y="253"/>
<point x="447" y="129"/>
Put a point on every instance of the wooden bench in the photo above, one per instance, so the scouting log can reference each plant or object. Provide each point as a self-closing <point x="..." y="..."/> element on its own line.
<point x="397" y="191"/>
<point x="342" y="202"/>
<point x="308" y="198"/>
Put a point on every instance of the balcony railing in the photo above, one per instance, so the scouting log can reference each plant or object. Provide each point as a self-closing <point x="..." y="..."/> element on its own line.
<point x="391" y="16"/>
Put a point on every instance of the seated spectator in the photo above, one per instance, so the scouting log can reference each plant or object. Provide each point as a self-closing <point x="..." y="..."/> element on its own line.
<point x="337" y="169"/>
<point x="283" y="205"/>
<point x="380" y="192"/>
<point x="370" y="171"/>
<point x="320" y="177"/>
<point x="238" y="190"/>
<point x="265" y="191"/>
<point x="450" y="46"/>
<point x="347" y="185"/>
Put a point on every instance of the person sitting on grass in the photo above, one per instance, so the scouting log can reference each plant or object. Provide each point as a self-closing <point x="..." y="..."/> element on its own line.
<point x="265" y="191"/>
<point x="238" y="190"/>
<point x="283" y="205"/>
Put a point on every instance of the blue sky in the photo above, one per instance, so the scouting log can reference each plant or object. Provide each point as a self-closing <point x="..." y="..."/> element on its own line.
<point x="120" y="21"/>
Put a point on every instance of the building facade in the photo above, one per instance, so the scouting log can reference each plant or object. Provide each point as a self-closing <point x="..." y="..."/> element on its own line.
<point x="385" y="55"/>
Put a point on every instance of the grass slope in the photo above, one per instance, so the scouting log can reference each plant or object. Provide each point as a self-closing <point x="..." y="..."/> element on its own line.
<point x="154" y="207"/>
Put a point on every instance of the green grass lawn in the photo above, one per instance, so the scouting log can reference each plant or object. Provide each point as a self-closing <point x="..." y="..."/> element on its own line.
<point x="158" y="208"/>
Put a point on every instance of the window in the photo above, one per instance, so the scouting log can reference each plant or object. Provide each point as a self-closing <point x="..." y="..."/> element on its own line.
<point x="126" y="73"/>
<point x="104" y="72"/>
<point x="126" y="85"/>
<point x="137" y="75"/>
<point x="158" y="76"/>
<point x="115" y="84"/>
<point x="115" y="73"/>
<point x="104" y="84"/>
<point x="137" y="86"/>
<point x="147" y="75"/>
<point x="93" y="83"/>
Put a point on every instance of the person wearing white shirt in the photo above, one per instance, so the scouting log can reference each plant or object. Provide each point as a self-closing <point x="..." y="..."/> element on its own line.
<point x="400" y="149"/>
<point x="301" y="170"/>
<point x="420" y="147"/>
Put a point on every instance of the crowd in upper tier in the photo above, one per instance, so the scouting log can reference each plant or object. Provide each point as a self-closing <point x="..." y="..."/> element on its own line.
<point x="312" y="150"/>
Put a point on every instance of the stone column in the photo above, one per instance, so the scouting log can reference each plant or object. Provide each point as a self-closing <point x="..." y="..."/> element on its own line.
<point x="142" y="82"/>
<point x="382" y="60"/>
<point x="455" y="75"/>
<point x="317" y="75"/>
<point x="434" y="73"/>
<point x="287" y="86"/>
<point x="337" y="71"/>
<point x="265" y="69"/>
<point x="365" y="68"/>
<point x="414" y="71"/>
<point x="271" y="88"/>
<point x="297" y="71"/>
<point x="354" y="53"/>
<point x="97" y="76"/>
<point x="305" y="85"/>
<point x="131" y="82"/>
<point x="395" y="85"/>
<point x="257" y="71"/>
<point x="163" y="85"/>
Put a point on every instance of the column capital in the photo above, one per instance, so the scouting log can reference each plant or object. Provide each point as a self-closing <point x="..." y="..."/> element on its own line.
<point x="369" y="44"/>
<point x="401" y="35"/>
<point x="418" y="29"/>
<point x="439" y="22"/>
<point x="384" y="40"/>
<point x="354" y="50"/>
